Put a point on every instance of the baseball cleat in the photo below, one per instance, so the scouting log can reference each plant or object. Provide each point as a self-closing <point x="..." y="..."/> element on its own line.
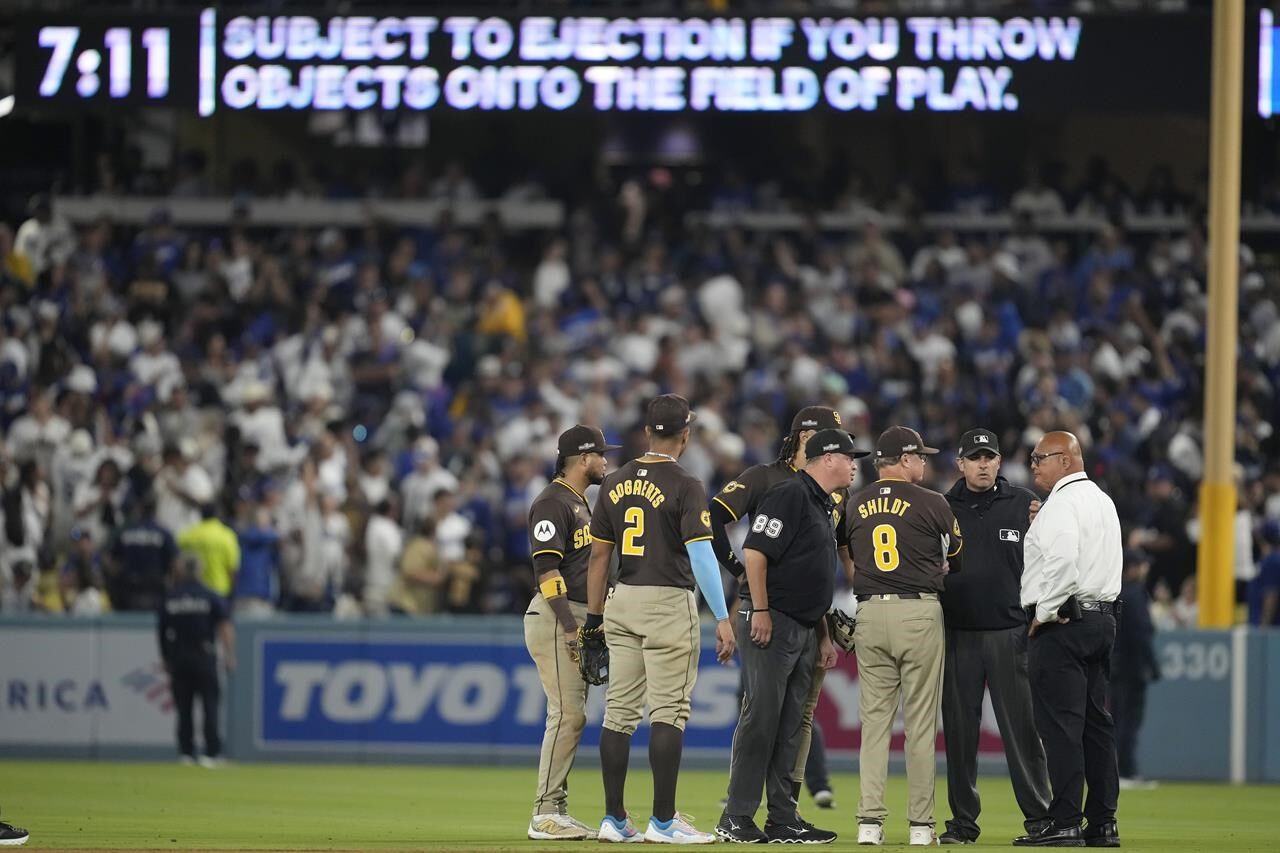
<point x="678" y="830"/>
<point x="619" y="831"/>
<point x="558" y="827"/>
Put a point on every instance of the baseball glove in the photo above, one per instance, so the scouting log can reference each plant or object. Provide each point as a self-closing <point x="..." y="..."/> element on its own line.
<point x="593" y="654"/>
<point x="840" y="627"/>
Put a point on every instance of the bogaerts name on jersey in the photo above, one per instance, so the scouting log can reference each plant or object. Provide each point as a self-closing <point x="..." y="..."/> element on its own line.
<point x="876" y="506"/>
<point x="637" y="488"/>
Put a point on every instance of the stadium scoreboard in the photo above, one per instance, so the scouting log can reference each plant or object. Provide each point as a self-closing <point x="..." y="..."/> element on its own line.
<point x="216" y="60"/>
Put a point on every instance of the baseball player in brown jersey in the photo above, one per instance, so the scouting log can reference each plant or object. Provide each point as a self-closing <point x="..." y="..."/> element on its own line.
<point x="739" y="499"/>
<point x="655" y="514"/>
<point x="560" y="539"/>
<point x="901" y="536"/>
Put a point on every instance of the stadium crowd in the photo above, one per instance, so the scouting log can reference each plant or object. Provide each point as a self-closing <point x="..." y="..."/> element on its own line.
<point x="357" y="421"/>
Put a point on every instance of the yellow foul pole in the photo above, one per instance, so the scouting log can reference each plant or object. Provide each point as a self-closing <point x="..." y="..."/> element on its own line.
<point x="1215" y="576"/>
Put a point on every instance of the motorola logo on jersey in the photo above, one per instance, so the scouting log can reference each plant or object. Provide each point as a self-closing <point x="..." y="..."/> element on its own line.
<point x="544" y="531"/>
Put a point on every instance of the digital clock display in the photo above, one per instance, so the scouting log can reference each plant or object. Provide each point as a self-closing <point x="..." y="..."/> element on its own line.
<point x="220" y="60"/>
<point x="90" y="59"/>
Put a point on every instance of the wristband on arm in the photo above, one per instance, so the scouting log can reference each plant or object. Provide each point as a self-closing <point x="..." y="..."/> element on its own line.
<point x="553" y="589"/>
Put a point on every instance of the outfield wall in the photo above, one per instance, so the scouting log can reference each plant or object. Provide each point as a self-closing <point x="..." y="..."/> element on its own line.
<point x="464" y="689"/>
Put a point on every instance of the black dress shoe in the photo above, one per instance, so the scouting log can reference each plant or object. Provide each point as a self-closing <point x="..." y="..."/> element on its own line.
<point x="1052" y="836"/>
<point x="951" y="836"/>
<point x="1103" y="835"/>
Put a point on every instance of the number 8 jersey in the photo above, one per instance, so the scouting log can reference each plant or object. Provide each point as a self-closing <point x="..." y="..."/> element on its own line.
<point x="649" y="510"/>
<point x="900" y="535"/>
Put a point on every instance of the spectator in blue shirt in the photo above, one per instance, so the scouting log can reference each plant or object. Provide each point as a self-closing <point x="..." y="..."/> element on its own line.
<point x="258" y="581"/>
<point x="1264" y="590"/>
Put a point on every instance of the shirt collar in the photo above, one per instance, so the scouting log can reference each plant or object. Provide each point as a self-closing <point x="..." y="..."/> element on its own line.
<point x="1070" y="478"/>
<point x="814" y="489"/>
<point x="562" y="482"/>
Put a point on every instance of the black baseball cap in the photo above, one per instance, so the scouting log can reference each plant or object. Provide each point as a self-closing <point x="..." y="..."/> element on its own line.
<point x="832" y="441"/>
<point x="975" y="441"/>
<point x="816" y="417"/>
<point x="668" y="414"/>
<point x="897" y="440"/>
<point x="580" y="439"/>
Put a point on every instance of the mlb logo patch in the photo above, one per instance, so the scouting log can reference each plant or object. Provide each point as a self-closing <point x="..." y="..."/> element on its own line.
<point x="886" y="490"/>
<point x="1010" y="535"/>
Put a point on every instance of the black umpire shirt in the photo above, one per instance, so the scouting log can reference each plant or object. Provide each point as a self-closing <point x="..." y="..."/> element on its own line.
<point x="793" y="528"/>
<point x="741" y="497"/>
<point x="189" y="619"/>
<point x="985" y="596"/>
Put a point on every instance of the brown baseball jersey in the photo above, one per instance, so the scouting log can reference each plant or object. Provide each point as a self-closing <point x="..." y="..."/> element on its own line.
<point x="649" y="510"/>
<point x="560" y="524"/>
<point x="741" y="497"/>
<point x="900" y="534"/>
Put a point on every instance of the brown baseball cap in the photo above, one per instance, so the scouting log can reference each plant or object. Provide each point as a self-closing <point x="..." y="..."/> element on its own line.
<point x="668" y="414"/>
<point x="816" y="417"/>
<point x="897" y="440"/>
<point x="580" y="439"/>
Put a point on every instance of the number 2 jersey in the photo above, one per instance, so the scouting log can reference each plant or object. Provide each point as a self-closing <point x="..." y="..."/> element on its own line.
<point x="900" y="534"/>
<point x="649" y="510"/>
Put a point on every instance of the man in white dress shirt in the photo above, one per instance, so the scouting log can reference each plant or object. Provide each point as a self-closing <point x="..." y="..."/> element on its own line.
<point x="1074" y="558"/>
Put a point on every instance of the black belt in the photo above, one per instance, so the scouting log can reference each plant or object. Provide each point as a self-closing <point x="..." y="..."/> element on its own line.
<point x="910" y="596"/>
<point x="1108" y="608"/>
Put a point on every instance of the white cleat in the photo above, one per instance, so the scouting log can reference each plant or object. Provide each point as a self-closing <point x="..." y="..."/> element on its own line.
<point x="210" y="762"/>
<point x="559" y="827"/>
<point x="619" y="832"/>
<point x="870" y="833"/>
<point x="824" y="799"/>
<point x="678" y="830"/>
<point x="923" y="836"/>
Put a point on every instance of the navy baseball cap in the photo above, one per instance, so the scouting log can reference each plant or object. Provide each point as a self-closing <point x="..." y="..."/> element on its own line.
<point x="580" y="439"/>
<point x="816" y="417"/>
<point x="832" y="441"/>
<point x="976" y="441"/>
<point x="669" y="414"/>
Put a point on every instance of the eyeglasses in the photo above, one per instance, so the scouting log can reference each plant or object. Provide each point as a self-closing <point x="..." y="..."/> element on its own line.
<point x="1037" y="458"/>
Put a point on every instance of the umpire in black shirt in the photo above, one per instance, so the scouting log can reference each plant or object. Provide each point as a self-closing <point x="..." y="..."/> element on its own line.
<point x="791" y="564"/>
<point x="191" y="616"/>
<point x="987" y="641"/>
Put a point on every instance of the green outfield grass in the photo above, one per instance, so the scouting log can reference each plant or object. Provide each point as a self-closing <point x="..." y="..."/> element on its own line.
<point x="84" y="805"/>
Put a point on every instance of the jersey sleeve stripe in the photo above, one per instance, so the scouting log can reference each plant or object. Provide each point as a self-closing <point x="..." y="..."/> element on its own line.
<point x="697" y="539"/>
<point x="559" y="554"/>
<point x="595" y="538"/>
<point x="726" y="506"/>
